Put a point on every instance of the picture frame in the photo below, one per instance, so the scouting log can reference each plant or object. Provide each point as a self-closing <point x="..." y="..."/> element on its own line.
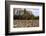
<point x="12" y="6"/>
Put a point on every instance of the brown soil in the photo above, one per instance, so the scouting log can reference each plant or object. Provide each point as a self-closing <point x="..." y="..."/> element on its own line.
<point x="26" y="23"/>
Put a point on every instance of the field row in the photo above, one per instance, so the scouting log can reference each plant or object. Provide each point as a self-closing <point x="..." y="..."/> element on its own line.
<point x="26" y="23"/>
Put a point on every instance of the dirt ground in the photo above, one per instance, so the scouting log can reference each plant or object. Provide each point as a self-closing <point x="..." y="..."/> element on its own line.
<point x="26" y="23"/>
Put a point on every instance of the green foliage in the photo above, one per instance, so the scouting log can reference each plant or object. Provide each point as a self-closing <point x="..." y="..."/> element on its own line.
<point x="25" y="17"/>
<point x="35" y="17"/>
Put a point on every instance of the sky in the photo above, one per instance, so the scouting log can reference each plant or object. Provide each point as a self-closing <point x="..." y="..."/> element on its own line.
<point x="35" y="12"/>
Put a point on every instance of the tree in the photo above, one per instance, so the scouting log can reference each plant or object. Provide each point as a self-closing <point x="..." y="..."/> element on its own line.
<point x="24" y="10"/>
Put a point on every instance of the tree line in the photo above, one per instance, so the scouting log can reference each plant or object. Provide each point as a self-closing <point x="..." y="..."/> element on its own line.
<point x="25" y="16"/>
